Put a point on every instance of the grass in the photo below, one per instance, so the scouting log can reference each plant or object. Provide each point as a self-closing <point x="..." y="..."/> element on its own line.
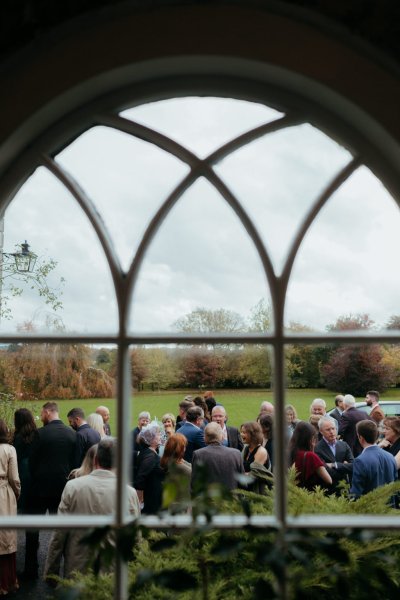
<point x="241" y="405"/>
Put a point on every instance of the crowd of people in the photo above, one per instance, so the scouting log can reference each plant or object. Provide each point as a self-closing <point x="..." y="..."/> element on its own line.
<point x="71" y="469"/>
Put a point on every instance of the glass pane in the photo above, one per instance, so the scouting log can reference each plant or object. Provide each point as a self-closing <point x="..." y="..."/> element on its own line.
<point x="46" y="215"/>
<point x="344" y="274"/>
<point x="278" y="178"/>
<point x="202" y="124"/>
<point x="333" y="381"/>
<point x="172" y="372"/>
<point x="201" y="272"/>
<point x="126" y="178"/>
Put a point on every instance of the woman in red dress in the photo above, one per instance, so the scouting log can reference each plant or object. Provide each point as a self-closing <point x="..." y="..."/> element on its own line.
<point x="310" y="469"/>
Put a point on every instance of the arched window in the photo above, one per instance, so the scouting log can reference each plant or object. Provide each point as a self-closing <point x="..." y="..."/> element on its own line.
<point x="266" y="196"/>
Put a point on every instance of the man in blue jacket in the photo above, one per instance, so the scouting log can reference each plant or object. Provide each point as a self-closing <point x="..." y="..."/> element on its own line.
<point x="373" y="467"/>
<point x="193" y="432"/>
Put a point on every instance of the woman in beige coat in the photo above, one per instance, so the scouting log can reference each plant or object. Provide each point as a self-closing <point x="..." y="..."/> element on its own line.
<point x="10" y="488"/>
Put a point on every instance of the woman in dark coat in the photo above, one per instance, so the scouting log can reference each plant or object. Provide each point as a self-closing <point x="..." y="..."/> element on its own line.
<point x="25" y="433"/>
<point x="148" y="483"/>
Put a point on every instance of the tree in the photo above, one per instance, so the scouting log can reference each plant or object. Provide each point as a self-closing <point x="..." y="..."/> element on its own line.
<point x="202" y="367"/>
<point x="254" y="367"/>
<point x="139" y="367"/>
<point x="160" y="369"/>
<point x="304" y="361"/>
<point x="357" y="369"/>
<point x="13" y="282"/>
<point x="260" y="316"/>
<point x="351" y="322"/>
<point x="394" y="322"/>
<point x="391" y="358"/>
<point x="53" y="370"/>
<point x="204" y="320"/>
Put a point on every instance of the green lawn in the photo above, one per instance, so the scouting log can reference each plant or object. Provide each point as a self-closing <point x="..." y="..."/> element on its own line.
<point x="240" y="405"/>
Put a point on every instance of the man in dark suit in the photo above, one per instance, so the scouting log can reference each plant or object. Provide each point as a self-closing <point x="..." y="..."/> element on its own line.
<point x="86" y="436"/>
<point x="336" y="454"/>
<point x="192" y="431"/>
<point x="338" y="411"/>
<point x="220" y="463"/>
<point x="230" y="435"/>
<point x="347" y="428"/>
<point x="374" y="467"/>
<point x="52" y="458"/>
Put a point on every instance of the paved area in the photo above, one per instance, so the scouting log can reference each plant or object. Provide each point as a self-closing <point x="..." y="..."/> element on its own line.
<point x="37" y="589"/>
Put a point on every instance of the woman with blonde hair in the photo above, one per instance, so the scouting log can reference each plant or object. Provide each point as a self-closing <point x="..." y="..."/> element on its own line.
<point x="95" y="421"/>
<point x="169" y="422"/>
<point x="87" y="465"/>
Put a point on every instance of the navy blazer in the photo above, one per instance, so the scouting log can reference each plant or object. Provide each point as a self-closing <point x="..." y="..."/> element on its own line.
<point x="195" y="438"/>
<point x="373" y="468"/>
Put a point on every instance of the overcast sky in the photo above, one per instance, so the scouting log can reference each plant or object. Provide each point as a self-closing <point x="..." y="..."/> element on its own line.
<point x="202" y="256"/>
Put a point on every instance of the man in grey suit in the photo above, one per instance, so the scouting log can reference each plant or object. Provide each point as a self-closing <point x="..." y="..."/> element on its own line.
<point x="221" y="464"/>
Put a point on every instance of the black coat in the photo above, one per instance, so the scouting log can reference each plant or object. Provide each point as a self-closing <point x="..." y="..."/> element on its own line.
<point x="347" y="428"/>
<point x="149" y="479"/>
<point x="51" y="460"/>
<point x="234" y="439"/>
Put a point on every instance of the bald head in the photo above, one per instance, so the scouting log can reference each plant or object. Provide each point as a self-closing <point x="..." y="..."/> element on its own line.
<point x="213" y="433"/>
<point x="104" y="413"/>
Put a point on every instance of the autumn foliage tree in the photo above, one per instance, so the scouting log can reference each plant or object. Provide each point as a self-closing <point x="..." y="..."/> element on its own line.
<point x="355" y="369"/>
<point x="54" y="371"/>
<point x="201" y="367"/>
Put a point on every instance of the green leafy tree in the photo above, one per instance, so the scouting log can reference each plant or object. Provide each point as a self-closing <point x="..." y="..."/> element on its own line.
<point x="254" y="368"/>
<point x="160" y="369"/>
<point x="261" y="316"/>
<point x="14" y="282"/>
<point x="304" y="361"/>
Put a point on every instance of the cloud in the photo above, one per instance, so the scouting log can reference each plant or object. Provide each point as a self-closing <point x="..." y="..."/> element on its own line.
<point x="201" y="255"/>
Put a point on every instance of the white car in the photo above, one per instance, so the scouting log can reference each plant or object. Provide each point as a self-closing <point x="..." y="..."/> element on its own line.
<point x="390" y="407"/>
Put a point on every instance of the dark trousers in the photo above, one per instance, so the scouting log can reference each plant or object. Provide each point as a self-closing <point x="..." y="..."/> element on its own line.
<point x="37" y="506"/>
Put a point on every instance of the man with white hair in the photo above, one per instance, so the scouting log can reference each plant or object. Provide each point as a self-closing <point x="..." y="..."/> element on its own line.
<point x="317" y="410"/>
<point x="347" y="429"/>
<point x="267" y="408"/>
<point x="318" y="407"/>
<point x="231" y="435"/>
<point x="222" y="464"/>
<point x="335" y="453"/>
